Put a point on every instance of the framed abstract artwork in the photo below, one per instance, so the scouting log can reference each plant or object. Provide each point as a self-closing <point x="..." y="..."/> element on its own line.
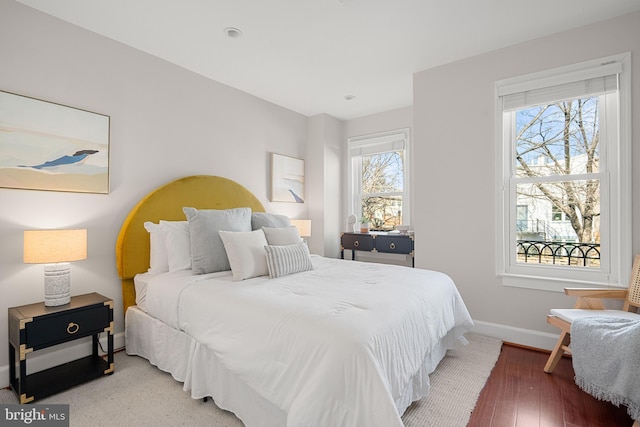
<point x="287" y="179"/>
<point x="48" y="146"/>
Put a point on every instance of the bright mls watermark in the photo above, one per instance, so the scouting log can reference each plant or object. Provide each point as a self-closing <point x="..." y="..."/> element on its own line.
<point x="34" y="415"/>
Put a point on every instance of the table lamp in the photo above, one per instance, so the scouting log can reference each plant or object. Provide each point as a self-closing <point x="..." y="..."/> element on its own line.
<point x="303" y="226"/>
<point x="55" y="249"/>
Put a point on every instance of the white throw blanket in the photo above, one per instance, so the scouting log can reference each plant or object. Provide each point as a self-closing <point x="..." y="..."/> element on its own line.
<point x="606" y="360"/>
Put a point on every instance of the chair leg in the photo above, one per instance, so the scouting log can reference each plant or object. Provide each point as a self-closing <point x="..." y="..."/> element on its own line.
<point x="558" y="352"/>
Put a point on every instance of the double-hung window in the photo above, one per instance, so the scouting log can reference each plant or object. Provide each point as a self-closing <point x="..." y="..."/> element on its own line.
<point x="564" y="175"/>
<point x="379" y="170"/>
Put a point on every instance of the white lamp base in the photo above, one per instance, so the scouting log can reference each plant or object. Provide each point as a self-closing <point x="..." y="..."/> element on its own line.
<point x="57" y="284"/>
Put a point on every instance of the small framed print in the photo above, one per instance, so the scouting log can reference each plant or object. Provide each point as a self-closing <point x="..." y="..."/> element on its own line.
<point x="287" y="179"/>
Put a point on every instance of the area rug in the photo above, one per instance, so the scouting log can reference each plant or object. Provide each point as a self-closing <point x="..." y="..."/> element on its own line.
<point x="456" y="385"/>
<point x="138" y="394"/>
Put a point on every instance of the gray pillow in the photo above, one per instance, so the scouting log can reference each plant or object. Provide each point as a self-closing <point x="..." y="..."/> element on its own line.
<point x="262" y="219"/>
<point x="207" y="250"/>
<point x="282" y="236"/>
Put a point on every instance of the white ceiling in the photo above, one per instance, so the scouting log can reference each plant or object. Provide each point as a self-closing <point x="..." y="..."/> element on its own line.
<point x="307" y="55"/>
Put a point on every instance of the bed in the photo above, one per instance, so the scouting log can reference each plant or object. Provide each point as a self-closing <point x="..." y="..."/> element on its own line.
<point x="310" y="341"/>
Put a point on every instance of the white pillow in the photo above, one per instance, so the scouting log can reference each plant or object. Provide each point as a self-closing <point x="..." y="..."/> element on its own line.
<point x="178" y="243"/>
<point x="283" y="260"/>
<point x="158" y="256"/>
<point x="282" y="236"/>
<point x="245" y="250"/>
<point x="207" y="251"/>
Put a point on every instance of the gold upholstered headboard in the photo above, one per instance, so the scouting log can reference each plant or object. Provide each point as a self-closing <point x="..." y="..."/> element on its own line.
<point x="166" y="202"/>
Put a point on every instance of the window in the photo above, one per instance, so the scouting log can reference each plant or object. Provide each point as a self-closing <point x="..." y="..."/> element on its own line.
<point x="557" y="214"/>
<point x="379" y="171"/>
<point x="564" y="176"/>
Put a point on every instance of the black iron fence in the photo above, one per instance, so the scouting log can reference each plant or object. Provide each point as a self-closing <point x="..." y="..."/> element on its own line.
<point x="560" y="253"/>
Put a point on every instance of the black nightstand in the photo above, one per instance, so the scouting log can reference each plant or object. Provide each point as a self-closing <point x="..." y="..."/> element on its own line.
<point x="35" y="326"/>
<point x="378" y="242"/>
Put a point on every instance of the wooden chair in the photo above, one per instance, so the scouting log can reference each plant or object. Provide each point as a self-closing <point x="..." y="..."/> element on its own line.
<point x="590" y="304"/>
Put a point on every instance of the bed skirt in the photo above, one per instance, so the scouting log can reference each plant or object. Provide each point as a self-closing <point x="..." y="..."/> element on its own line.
<point x="203" y="375"/>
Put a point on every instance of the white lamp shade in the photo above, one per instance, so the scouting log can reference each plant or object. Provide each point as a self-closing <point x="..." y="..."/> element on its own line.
<point x="303" y="226"/>
<point x="52" y="246"/>
<point x="55" y="248"/>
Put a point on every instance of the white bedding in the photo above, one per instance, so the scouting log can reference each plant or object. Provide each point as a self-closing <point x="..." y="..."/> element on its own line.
<point x="140" y="282"/>
<point x="324" y="360"/>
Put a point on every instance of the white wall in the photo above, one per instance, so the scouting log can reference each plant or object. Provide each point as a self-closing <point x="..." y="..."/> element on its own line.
<point x="399" y="118"/>
<point x="166" y="123"/>
<point x="454" y="170"/>
<point x="324" y="167"/>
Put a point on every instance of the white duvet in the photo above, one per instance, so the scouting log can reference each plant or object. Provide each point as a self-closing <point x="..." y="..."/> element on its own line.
<point x="335" y="346"/>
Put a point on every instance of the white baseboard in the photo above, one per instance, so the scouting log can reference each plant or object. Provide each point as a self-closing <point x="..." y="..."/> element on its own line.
<point x="526" y="337"/>
<point x="57" y="355"/>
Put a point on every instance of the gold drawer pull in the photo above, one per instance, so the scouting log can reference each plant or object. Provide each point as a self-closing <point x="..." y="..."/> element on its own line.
<point x="356" y="243"/>
<point x="392" y="245"/>
<point x="73" y="328"/>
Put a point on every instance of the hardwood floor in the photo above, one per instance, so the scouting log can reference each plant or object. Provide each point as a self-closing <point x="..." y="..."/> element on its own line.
<point x="519" y="394"/>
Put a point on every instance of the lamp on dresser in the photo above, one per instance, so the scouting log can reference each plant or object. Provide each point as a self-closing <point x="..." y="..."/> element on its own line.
<point x="55" y="249"/>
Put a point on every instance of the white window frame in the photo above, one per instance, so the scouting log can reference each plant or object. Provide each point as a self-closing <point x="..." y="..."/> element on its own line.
<point x="615" y="185"/>
<point x="378" y="143"/>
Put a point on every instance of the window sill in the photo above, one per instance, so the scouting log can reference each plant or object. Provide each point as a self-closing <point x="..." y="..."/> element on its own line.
<point x="551" y="284"/>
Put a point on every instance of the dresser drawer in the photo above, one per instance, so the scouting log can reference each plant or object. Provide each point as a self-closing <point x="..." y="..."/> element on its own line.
<point x="56" y="328"/>
<point x="358" y="242"/>
<point x="394" y="244"/>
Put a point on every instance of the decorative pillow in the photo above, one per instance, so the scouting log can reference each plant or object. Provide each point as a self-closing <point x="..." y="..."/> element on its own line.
<point x="177" y="241"/>
<point x="207" y="250"/>
<point x="283" y="260"/>
<point x="262" y="219"/>
<point x="282" y="236"/>
<point x="158" y="256"/>
<point x="246" y="253"/>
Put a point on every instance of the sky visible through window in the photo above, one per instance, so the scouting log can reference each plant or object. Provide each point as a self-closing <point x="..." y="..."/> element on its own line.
<point x="541" y="132"/>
